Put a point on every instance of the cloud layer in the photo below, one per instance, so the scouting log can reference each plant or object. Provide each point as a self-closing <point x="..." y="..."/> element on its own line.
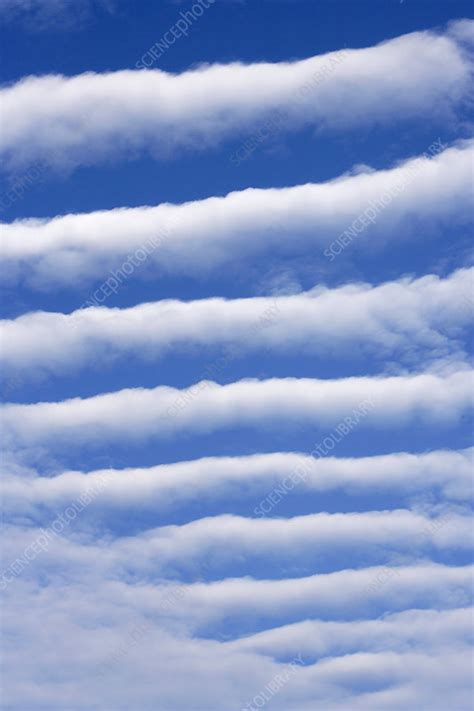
<point x="89" y="117"/>
<point x="300" y="579"/>
<point x="400" y="660"/>
<point x="138" y="414"/>
<point x="413" y="319"/>
<point x="169" y="487"/>
<point x="197" y="237"/>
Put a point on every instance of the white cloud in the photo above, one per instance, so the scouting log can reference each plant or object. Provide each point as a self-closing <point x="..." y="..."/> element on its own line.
<point x="217" y="544"/>
<point x="87" y="623"/>
<point x="166" y="487"/>
<point x="153" y="550"/>
<point x="418" y="319"/>
<point x="293" y="544"/>
<point x="247" y="605"/>
<point x="89" y="117"/>
<point x="197" y="237"/>
<point x="138" y="414"/>
<point x="427" y="629"/>
<point x="346" y="593"/>
<point x="225" y="538"/>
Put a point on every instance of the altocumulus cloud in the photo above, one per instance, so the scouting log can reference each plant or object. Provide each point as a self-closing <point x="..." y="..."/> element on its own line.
<point x="208" y="234"/>
<point x="87" y="117"/>
<point x="214" y="523"/>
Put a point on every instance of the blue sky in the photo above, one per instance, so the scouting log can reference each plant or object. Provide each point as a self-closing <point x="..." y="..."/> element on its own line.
<point x="236" y="342"/>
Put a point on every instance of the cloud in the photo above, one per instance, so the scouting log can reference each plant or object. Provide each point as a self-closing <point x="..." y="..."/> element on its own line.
<point x="82" y="119"/>
<point x="201" y="236"/>
<point x="170" y="487"/>
<point x="415" y="319"/>
<point x="232" y="544"/>
<point x="343" y="594"/>
<point x="427" y="629"/>
<point x="189" y="570"/>
<point x="246" y="605"/>
<point x="139" y="414"/>
<point x="90" y="623"/>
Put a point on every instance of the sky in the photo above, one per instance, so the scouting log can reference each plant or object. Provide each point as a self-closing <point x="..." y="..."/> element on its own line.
<point x="236" y="355"/>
